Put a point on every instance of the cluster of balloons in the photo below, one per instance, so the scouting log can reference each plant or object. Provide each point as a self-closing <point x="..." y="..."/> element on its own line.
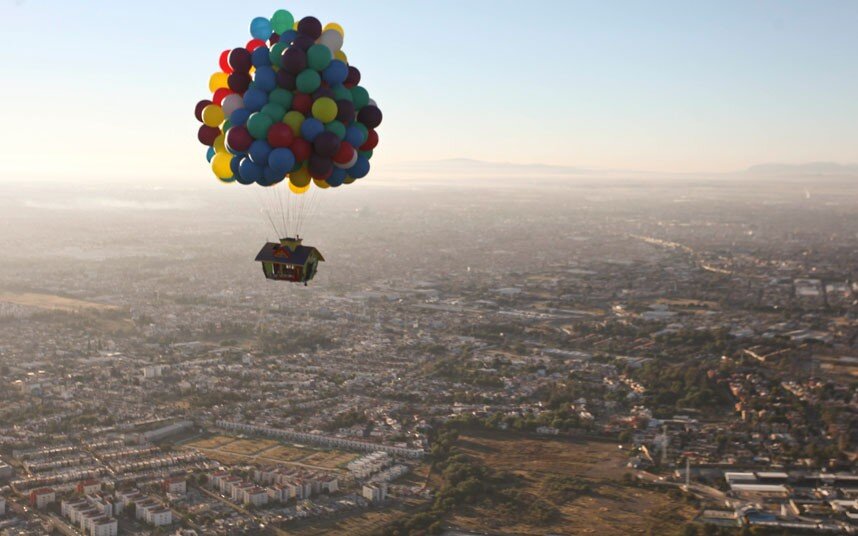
<point x="288" y="104"/>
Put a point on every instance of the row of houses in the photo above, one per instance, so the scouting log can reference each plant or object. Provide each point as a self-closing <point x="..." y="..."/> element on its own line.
<point x="366" y="466"/>
<point x="146" y="508"/>
<point x="94" y="514"/>
<point x="282" y="486"/>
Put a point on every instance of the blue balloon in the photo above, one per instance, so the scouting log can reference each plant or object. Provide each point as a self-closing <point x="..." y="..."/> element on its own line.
<point x="361" y="168"/>
<point x="239" y="117"/>
<point x="336" y="72"/>
<point x="270" y="177"/>
<point x="265" y="80"/>
<point x="288" y="36"/>
<point x="259" y="151"/>
<point x="210" y="154"/>
<point x="260" y="28"/>
<point x="254" y="100"/>
<point x="235" y="166"/>
<point x="354" y="135"/>
<point x="310" y="128"/>
<point x="249" y="172"/>
<point x="337" y="177"/>
<point x="261" y="57"/>
<point x="281" y="160"/>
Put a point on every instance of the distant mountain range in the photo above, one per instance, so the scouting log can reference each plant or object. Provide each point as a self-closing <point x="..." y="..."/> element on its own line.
<point x="827" y="169"/>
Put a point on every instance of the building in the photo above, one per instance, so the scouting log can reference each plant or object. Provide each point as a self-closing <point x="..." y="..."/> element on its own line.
<point x="104" y="527"/>
<point x="256" y="496"/>
<point x="375" y="492"/>
<point x="89" y="487"/>
<point x="6" y="471"/>
<point x="41" y="498"/>
<point x="2" y="506"/>
<point x="175" y="486"/>
<point x="289" y="261"/>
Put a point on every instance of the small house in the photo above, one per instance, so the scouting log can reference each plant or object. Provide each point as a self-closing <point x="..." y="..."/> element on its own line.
<point x="289" y="261"/>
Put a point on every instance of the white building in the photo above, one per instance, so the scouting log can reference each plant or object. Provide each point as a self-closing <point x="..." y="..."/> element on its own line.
<point x="104" y="527"/>
<point x="176" y="486"/>
<point x="2" y="506"/>
<point x="41" y="498"/>
<point x="256" y="496"/>
<point x="375" y="492"/>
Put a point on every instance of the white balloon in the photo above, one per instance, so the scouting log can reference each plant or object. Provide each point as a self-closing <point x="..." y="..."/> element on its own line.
<point x="232" y="103"/>
<point x="332" y="39"/>
<point x="373" y="103"/>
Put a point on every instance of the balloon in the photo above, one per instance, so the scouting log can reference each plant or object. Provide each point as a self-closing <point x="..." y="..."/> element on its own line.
<point x="369" y="115"/>
<point x="239" y="82"/>
<point x="240" y="60"/>
<point x="353" y="77"/>
<point x="344" y="154"/>
<point x="207" y="135"/>
<point x="351" y="162"/>
<point x="275" y="111"/>
<point x="336" y="27"/>
<point x="320" y="167"/>
<point x="255" y="99"/>
<point x="275" y="56"/>
<point x="326" y="144"/>
<point x="219" y="144"/>
<point x="349" y="179"/>
<point x="355" y="135"/>
<point x="294" y="60"/>
<point x="261" y="57"/>
<point x="253" y="44"/>
<point x="298" y="190"/>
<point x="249" y="171"/>
<point x="361" y="168"/>
<point x="234" y="164"/>
<point x="273" y="39"/>
<point x="332" y="40"/>
<point x="213" y="115"/>
<point x="302" y="149"/>
<point x="360" y="97"/>
<point x="337" y="128"/>
<point x="311" y="128"/>
<point x="335" y="73"/>
<point x="281" y="160"/>
<point x="198" y="110"/>
<point x="210" y="154"/>
<point x="221" y="165"/>
<point x="321" y="183"/>
<point x="303" y="42"/>
<point x="259" y="152"/>
<point x="239" y="139"/>
<point x="345" y="111"/>
<point x="232" y="103"/>
<point x="340" y="55"/>
<point x="337" y="177"/>
<point x="325" y="110"/>
<point x="288" y="37"/>
<point x="300" y="178"/>
<point x="220" y="95"/>
<point x="280" y="135"/>
<point x="266" y="79"/>
<point x="260" y="28"/>
<point x="286" y="80"/>
<point x="319" y="57"/>
<point x="341" y="92"/>
<point x="282" y="21"/>
<point x="239" y="117"/>
<point x="282" y="97"/>
<point x="224" y="62"/>
<point x="294" y="119"/>
<point x="311" y="27"/>
<point x="240" y="177"/>
<point x="302" y="102"/>
<point x="323" y="92"/>
<point x="217" y="81"/>
<point x="258" y="125"/>
<point x="308" y="81"/>
<point x="371" y="141"/>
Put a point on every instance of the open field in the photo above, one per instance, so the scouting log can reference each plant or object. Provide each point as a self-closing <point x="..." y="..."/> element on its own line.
<point x="363" y="523"/>
<point x="613" y="506"/>
<point x="232" y="450"/>
<point x="50" y="302"/>
<point x="332" y="459"/>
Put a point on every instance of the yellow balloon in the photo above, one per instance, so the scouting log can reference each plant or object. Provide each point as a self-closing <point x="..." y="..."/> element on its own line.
<point x="213" y="115"/>
<point x="294" y="119"/>
<point x="220" y="144"/>
<point x="340" y="55"/>
<point x="221" y="167"/>
<point x="298" y="189"/>
<point x="218" y="81"/>
<point x="335" y="26"/>
<point x="348" y="180"/>
<point x="321" y="184"/>
<point x="300" y="178"/>
<point x="325" y="109"/>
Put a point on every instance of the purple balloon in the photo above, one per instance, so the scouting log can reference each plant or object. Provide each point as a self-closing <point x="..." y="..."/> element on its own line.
<point x="274" y="39"/>
<point x="310" y="26"/>
<point x="353" y="78"/>
<point x="326" y="144"/>
<point x="240" y="60"/>
<point x="320" y="166"/>
<point x="239" y="82"/>
<point x="303" y="42"/>
<point x="323" y="92"/>
<point x="294" y="60"/>
<point x="370" y="116"/>
<point x="345" y="111"/>
<point x="286" y="80"/>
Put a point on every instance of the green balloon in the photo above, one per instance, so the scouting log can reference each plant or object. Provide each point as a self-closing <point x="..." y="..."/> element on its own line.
<point x="342" y="93"/>
<point x="226" y="126"/>
<point x="337" y="128"/>
<point x="360" y="97"/>
<point x="276" y="52"/>
<point x="258" y="124"/>
<point x="282" y="21"/>
<point x="367" y="154"/>
<point x="274" y="111"/>
<point x="282" y="97"/>
<point x="319" y="57"/>
<point x="309" y="81"/>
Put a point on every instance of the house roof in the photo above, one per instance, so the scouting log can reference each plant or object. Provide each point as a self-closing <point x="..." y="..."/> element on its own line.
<point x="273" y="252"/>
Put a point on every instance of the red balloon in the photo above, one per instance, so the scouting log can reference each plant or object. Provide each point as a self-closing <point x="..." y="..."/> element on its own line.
<point x="280" y="135"/>
<point x="253" y="44"/>
<point x="224" y="62"/>
<point x="302" y="149"/>
<point x="221" y="94"/>
<point x="274" y="39"/>
<point x="302" y="103"/>
<point x="198" y="111"/>
<point x="371" y="141"/>
<point x="207" y="135"/>
<point x="344" y="153"/>
<point x="239" y="139"/>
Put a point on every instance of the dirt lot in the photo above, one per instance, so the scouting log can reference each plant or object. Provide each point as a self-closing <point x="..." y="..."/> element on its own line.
<point x="232" y="450"/>
<point x="613" y="507"/>
<point x="51" y="302"/>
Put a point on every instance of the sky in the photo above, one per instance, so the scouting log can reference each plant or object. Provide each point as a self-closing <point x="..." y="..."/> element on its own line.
<point x="105" y="89"/>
